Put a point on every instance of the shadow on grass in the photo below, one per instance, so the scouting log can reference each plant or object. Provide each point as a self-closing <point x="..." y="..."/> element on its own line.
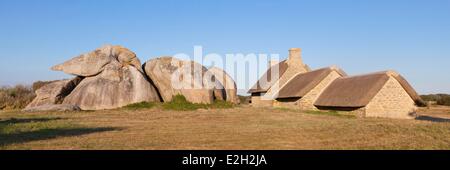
<point x="432" y="119"/>
<point x="43" y="134"/>
<point x="27" y="120"/>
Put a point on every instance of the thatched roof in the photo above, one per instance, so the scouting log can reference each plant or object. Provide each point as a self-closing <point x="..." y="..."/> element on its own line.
<point x="302" y="83"/>
<point x="265" y="82"/>
<point x="358" y="91"/>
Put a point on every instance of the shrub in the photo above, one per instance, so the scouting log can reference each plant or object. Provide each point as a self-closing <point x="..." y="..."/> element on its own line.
<point x="440" y="99"/>
<point x="17" y="97"/>
<point x="179" y="102"/>
<point x="429" y="97"/>
<point x="141" y="105"/>
<point x="444" y="100"/>
<point x="220" y="105"/>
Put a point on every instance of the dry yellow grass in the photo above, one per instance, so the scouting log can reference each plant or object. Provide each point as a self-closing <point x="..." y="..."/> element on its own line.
<point x="237" y="128"/>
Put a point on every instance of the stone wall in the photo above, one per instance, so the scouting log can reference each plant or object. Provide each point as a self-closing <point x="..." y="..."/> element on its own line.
<point x="307" y="101"/>
<point x="257" y="102"/>
<point x="392" y="101"/>
<point x="359" y="112"/>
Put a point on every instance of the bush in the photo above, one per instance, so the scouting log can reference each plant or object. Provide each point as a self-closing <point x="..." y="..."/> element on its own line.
<point x="220" y="105"/>
<point x="444" y="100"/>
<point x="141" y="105"/>
<point x="430" y="97"/>
<point x="179" y="102"/>
<point x="17" y="97"/>
<point x="440" y="99"/>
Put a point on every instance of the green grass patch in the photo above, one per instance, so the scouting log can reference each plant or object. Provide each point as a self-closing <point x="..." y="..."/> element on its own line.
<point x="18" y="125"/>
<point x="329" y="113"/>
<point x="221" y="105"/>
<point x="141" y="105"/>
<point x="180" y="103"/>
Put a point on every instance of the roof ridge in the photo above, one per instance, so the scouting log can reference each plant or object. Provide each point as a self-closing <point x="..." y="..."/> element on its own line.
<point x="303" y="82"/>
<point x="333" y="68"/>
<point x="385" y="72"/>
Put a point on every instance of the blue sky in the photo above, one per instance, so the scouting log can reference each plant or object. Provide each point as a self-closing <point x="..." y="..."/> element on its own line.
<point x="361" y="36"/>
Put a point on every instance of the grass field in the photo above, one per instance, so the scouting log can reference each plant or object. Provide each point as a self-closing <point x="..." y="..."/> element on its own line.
<point x="243" y="127"/>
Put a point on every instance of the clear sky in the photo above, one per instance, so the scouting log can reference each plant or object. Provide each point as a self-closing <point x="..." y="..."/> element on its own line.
<point x="360" y="36"/>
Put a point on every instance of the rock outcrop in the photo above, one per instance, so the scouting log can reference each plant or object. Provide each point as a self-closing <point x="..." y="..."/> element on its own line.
<point x="224" y="84"/>
<point x="113" y="78"/>
<point x="116" y="86"/>
<point x="219" y="91"/>
<point x="172" y="76"/>
<point x="92" y="63"/>
<point x="53" y="93"/>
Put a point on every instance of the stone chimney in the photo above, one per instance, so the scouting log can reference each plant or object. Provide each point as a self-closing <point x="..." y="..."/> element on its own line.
<point x="295" y="53"/>
<point x="295" y="56"/>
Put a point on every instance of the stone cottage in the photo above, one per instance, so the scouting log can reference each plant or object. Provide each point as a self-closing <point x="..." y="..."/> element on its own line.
<point x="303" y="89"/>
<point x="291" y="84"/>
<point x="381" y="94"/>
<point x="267" y="86"/>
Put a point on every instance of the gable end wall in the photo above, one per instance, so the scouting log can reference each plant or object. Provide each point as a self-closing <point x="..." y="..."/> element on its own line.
<point x="307" y="101"/>
<point x="392" y="101"/>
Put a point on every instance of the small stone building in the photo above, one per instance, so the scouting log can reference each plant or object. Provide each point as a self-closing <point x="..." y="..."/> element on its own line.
<point x="302" y="90"/>
<point x="383" y="94"/>
<point x="277" y="75"/>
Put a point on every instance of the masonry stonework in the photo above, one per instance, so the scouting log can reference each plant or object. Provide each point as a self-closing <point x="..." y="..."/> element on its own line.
<point x="258" y="102"/>
<point x="307" y="101"/>
<point x="391" y="101"/>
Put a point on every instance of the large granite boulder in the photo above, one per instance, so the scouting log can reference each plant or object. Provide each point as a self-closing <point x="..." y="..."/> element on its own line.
<point x="224" y="85"/>
<point x="172" y="76"/>
<point x="114" y="87"/>
<point x="54" y="92"/>
<point x="219" y="92"/>
<point x="92" y="63"/>
<point x="113" y="78"/>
